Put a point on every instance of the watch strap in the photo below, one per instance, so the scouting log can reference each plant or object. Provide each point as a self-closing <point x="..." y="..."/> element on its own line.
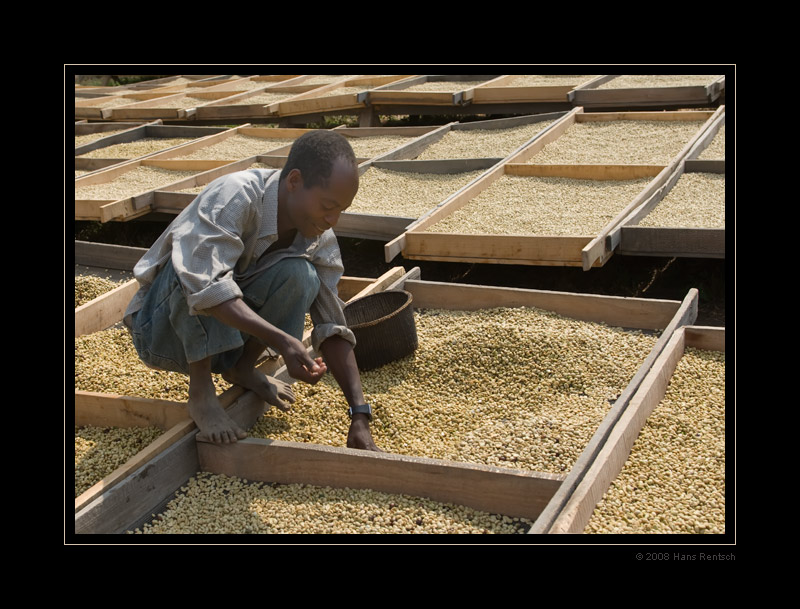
<point x="361" y="409"/>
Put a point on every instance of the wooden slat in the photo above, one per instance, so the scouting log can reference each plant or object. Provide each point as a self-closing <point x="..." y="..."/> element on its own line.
<point x="585" y="172"/>
<point x="510" y="249"/>
<point x="111" y="410"/>
<point x="641" y="313"/>
<point x="709" y="338"/>
<point x="496" y="490"/>
<point x="103" y="255"/>
<point x="105" y="310"/>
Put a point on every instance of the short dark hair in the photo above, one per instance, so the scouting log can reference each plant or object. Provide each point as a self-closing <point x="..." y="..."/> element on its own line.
<point x="315" y="153"/>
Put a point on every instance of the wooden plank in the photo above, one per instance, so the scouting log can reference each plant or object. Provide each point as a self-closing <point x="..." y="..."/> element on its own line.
<point x="585" y="172"/>
<point x="380" y="284"/>
<point x="521" y="249"/>
<point x="90" y="209"/>
<point x="709" y="338"/>
<point x="371" y="226"/>
<point x="496" y="490"/>
<point x="672" y="242"/>
<point x="104" y="255"/>
<point x="499" y="91"/>
<point x="620" y="311"/>
<point x="685" y="315"/>
<point x="707" y="137"/>
<point x="105" y="310"/>
<point x="687" y="115"/>
<point x="110" y="410"/>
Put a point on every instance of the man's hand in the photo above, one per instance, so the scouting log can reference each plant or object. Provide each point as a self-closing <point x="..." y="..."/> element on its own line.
<point x="299" y="363"/>
<point x="359" y="435"/>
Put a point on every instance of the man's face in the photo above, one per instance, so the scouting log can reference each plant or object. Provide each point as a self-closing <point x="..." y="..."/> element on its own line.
<point x="315" y="210"/>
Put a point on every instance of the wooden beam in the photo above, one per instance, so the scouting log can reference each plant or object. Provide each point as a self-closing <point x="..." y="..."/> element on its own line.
<point x="620" y="311"/>
<point x="103" y="255"/>
<point x="105" y="310"/>
<point x="111" y="410"/>
<point x="514" y="493"/>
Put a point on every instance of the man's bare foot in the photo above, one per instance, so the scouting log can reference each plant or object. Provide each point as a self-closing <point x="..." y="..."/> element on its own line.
<point x="213" y="422"/>
<point x="271" y="390"/>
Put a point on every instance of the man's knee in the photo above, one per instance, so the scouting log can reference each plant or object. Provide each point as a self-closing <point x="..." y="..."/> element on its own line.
<point x="299" y="277"/>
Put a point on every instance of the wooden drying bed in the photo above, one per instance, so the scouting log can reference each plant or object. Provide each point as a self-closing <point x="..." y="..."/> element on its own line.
<point x="589" y="96"/>
<point x="584" y="251"/>
<point x="134" y="494"/>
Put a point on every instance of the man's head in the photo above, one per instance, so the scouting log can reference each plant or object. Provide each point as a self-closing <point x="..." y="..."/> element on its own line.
<point x="320" y="179"/>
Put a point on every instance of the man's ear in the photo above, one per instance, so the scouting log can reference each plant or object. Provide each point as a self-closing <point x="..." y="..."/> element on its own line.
<point x="295" y="179"/>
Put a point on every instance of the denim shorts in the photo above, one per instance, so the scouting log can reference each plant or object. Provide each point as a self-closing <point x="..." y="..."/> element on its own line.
<point x="167" y="337"/>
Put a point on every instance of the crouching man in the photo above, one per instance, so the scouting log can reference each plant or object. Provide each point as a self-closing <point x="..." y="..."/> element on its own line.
<point x="237" y="270"/>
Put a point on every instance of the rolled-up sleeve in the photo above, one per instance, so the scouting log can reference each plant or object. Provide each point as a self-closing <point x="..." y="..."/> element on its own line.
<point x="206" y="250"/>
<point x="327" y="311"/>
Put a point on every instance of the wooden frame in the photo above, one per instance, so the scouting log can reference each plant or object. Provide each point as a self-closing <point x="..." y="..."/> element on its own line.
<point x="154" y="130"/>
<point x="223" y="108"/>
<point x="146" y="489"/>
<point x="312" y="102"/>
<point x="589" y="96"/>
<point x="267" y="133"/>
<point x="574" y="512"/>
<point x="497" y="91"/>
<point x="540" y="250"/>
<point x="587" y="251"/>
<point x="143" y="202"/>
<point x="140" y="203"/>
<point x="631" y="239"/>
<point x="395" y="93"/>
<point x="89" y="109"/>
<point x="151" y="109"/>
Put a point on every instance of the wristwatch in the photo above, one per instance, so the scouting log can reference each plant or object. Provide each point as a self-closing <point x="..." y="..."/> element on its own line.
<point x="361" y="409"/>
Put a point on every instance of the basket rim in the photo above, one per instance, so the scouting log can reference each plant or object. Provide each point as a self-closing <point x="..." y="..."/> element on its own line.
<point x="366" y="324"/>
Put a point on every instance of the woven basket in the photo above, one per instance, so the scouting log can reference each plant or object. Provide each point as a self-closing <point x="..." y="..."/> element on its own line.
<point x="383" y="324"/>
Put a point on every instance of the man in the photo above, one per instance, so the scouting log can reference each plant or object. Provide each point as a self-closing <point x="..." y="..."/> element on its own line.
<point x="238" y="269"/>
